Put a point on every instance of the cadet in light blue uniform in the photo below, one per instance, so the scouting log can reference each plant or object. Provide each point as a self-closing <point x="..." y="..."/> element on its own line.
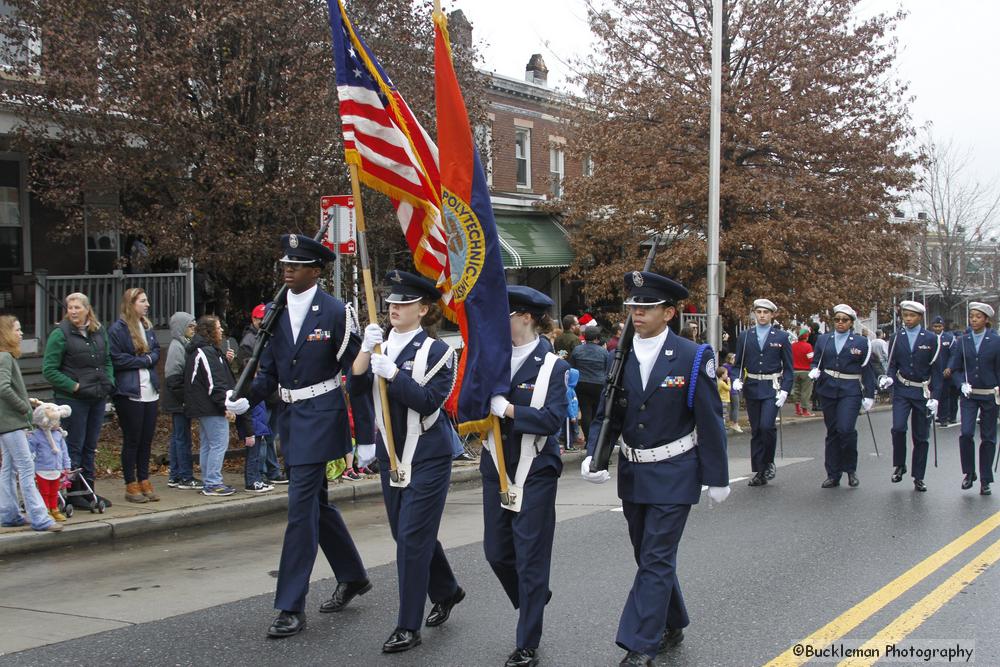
<point x="845" y="383"/>
<point x="420" y="374"/>
<point x="975" y="366"/>
<point x="315" y="340"/>
<point x="765" y="375"/>
<point x="674" y="442"/>
<point x="948" y="396"/>
<point x="915" y="376"/>
<point x="518" y="538"/>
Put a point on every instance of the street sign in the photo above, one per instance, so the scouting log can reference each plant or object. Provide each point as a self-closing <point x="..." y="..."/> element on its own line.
<point x="339" y="211"/>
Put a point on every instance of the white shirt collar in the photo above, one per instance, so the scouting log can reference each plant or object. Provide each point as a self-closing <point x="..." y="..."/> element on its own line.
<point x="398" y="341"/>
<point x="518" y="355"/>
<point x="298" y="306"/>
<point x="646" y="351"/>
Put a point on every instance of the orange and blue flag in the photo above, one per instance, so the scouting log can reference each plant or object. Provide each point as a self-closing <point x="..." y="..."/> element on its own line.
<point x="478" y="286"/>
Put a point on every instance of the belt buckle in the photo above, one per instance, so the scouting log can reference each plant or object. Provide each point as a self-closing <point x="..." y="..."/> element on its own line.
<point x="286" y="395"/>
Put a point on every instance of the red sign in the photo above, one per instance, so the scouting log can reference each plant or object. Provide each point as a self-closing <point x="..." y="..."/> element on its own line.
<point x="339" y="211"/>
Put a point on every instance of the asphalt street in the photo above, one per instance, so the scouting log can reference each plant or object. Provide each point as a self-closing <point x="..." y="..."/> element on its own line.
<point x="772" y="568"/>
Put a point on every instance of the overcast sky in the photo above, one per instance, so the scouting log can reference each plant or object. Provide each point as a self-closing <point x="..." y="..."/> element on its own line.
<point x="948" y="52"/>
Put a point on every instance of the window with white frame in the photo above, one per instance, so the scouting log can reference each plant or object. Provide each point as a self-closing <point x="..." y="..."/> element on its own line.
<point x="522" y="155"/>
<point x="557" y="169"/>
<point x="20" y="45"/>
<point x="588" y="166"/>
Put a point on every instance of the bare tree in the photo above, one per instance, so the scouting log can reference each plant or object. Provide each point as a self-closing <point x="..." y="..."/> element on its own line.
<point x="957" y="250"/>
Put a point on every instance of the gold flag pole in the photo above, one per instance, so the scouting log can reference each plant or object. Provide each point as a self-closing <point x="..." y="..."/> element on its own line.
<point x="366" y="274"/>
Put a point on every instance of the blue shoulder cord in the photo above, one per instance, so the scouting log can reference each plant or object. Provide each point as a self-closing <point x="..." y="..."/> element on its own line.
<point x="694" y="374"/>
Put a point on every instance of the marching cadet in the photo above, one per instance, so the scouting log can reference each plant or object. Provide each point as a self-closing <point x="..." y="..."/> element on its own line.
<point x="764" y="359"/>
<point x="313" y="342"/>
<point x="518" y="536"/>
<point x="674" y="441"/>
<point x="915" y="376"/>
<point x="975" y="364"/>
<point x="845" y="384"/>
<point x="948" y="394"/>
<point x="420" y="373"/>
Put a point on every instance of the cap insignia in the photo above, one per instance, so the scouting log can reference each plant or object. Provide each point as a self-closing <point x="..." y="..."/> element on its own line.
<point x="637" y="279"/>
<point x="293" y="241"/>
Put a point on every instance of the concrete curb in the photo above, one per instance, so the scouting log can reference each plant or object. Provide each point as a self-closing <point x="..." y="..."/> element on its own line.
<point x="30" y="541"/>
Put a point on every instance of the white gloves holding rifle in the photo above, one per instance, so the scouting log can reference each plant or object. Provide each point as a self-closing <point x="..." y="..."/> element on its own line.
<point x="237" y="407"/>
<point x="599" y="477"/>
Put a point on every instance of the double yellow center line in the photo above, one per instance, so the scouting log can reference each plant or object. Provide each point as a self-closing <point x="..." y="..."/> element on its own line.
<point x="909" y="620"/>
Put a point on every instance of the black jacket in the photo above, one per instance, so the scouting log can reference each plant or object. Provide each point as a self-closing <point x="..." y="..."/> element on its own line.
<point x="207" y="377"/>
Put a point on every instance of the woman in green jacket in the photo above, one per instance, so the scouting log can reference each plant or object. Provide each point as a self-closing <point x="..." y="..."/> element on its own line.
<point x="77" y="364"/>
<point x="15" y="419"/>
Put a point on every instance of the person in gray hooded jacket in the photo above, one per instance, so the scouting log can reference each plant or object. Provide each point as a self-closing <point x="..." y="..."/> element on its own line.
<point x="181" y="471"/>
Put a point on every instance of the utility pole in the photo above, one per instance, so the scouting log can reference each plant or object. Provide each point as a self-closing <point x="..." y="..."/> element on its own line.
<point x="715" y="149"/>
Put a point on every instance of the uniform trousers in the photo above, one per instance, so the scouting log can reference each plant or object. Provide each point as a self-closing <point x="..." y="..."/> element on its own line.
<point x="313" y="523"/>
<point x="986" y="408"/>
<point x="763" y="432"/>
<point x="948" y="409"/>
<point x="920" y="422"/>
<point x="841" y="417"/>
<point x="518" y="547"/>
<point x="414" y="518"/>
<point x="655" y="601"/>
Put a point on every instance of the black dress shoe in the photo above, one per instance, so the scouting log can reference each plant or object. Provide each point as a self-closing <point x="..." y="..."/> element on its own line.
<point x="522" y="657"/>
<point x="918" y="485"/>
<point x="757" y="480"/>
<point x="442" y="610"/>
<point x="671" y="637"/>
<point x="830" y="482"/>
<point x="401" y="640"/>
<point x="852" y="479"/>
<point x="769" y="471"/>
<point x="287" y="624"/>
<point x="344" y="593"/>
<point x="897" y="474"/>
<point x="984" y="490"/>
<point x="969" y="479"/>
<point x="636" y="659"/>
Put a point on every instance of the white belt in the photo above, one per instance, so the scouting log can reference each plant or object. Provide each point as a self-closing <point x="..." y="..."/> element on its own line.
<point x="661" y="453"/>
<point x="911" y="383"/>
<point x="837" y="375"/>
<point x="312" y="391"/>
<point x="764" y="376"/>
<point x="983" y="392"/>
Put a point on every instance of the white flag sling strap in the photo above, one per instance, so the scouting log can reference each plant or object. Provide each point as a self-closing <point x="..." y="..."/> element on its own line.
<point x="529" y="441"/>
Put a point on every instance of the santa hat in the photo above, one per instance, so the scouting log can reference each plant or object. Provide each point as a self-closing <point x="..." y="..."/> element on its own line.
<point x="587" y="320"/>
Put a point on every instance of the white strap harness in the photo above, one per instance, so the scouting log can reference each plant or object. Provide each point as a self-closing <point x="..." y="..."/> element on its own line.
<point x="529" y="441"/>
<point x="415" y="425"/>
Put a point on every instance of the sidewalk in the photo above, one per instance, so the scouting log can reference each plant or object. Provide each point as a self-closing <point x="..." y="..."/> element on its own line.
<point x="183" y="508"/>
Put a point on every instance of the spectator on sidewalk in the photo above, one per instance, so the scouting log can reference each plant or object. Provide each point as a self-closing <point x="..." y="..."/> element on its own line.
<point x="802" y="385"/>
<point x="725" y="387"/>
<point x="207" y="378"/>
<point x="261" y="428"/>
<point x="181" y="463"/>
<point x="15" y="419"/>
<point x="592" y="360"/>
<point x="616" y="334"/>
<point x="569" y="338"/>
<point x="77" y="364"/>
<point x="135" y="353"/>
<point x="48" y="448"/>
<point x="269" y="469"/>
<point x="734" y="395"/>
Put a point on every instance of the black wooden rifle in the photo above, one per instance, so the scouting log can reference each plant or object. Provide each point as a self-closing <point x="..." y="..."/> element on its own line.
<point x="280" y="302"/>
<point x="614" y="394"/>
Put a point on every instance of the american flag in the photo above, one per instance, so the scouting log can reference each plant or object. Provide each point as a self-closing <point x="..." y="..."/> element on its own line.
<point x="393" y="152"/>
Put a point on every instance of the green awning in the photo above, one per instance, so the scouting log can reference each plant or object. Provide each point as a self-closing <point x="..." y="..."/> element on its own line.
<point x="532" y="241"/>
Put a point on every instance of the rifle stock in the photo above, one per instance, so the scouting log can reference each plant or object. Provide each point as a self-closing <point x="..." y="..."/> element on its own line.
<point x="280" y="301"/>
<point x="614" y="394"/>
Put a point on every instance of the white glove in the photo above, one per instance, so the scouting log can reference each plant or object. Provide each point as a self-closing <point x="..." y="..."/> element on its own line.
<point x="867" y="403"/>
<point x="884" y="382"/>
<point x="498" y="405"/>
<point x="383" y="366"/>
<point x="366" y="454"/>
<point x="813" y="373"/>
<point x="966" y="389"/>
<point x="737" y="385"/>
<point x="932" y="405"/>
<point x="780" y="399"/>
<point x="718" y="493"/>
<point x="599" y="477"/>
<point x="373" y="337"/>
<point x="238" y="406"/>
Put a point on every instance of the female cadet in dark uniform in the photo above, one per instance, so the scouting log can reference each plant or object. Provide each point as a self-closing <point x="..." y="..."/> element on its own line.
<point x="518" y="537"/>
<point x="420" y="373"/>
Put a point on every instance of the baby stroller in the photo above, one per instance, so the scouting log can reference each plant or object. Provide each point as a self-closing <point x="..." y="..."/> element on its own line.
<point x="97" y="505"/>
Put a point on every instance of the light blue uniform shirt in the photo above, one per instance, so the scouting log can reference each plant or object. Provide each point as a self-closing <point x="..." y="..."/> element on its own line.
<point x="762" y="331"/>
<point x="911" y="335"/>
<point x="839" y="339"/>
<point x="977" y="338"/>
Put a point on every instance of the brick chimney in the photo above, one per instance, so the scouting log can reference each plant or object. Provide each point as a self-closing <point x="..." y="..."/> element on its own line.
<point x="459" y="29"/>
<point x="536" y="72"/>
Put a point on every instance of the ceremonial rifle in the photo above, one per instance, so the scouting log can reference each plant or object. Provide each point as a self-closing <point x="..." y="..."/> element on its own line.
<point x="615" y="398"/>
<point x="264" y="333"/>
